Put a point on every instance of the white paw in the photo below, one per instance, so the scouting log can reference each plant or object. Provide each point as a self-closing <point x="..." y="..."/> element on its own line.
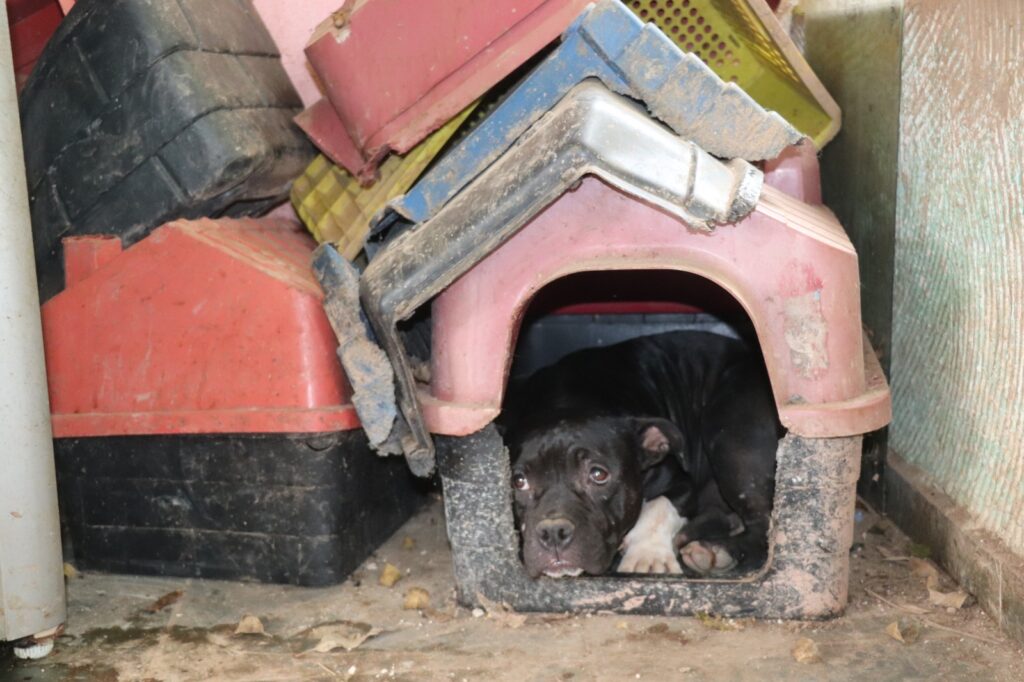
<point x="650" y="557"/>
<point x="705" y="557"/>
<point x="649" y="547"/>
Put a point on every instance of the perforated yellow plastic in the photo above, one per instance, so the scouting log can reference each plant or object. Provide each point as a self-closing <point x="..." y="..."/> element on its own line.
<point x="743" y="42"/>
<point x="335" y="208"/>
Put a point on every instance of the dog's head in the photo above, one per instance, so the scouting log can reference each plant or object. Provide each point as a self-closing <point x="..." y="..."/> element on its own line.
<point x="578" y="488"/>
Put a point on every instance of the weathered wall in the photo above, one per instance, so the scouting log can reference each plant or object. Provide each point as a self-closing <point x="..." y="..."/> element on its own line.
<point x="854" y="47"/>
<point x="958" y="324"/>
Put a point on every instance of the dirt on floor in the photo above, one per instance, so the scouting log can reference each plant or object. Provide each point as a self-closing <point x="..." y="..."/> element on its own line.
<point x="906" y="621"/>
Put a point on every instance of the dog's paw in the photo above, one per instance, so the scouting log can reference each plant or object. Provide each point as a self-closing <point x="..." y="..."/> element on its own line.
<point x="649" y="557"/>
<point x="706" y="557"/>
<point x="648" y="547"/>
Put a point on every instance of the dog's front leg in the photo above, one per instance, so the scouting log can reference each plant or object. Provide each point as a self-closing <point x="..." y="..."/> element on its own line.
<point x="649" y="547"/>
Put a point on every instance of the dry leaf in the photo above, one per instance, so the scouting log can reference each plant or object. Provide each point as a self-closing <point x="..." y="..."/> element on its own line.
<point x="438" y="616"/>
<point x="501" y="613"/>
<point x="70" y="572"/>
<point x="488" y="605"/>
<point x="408" y="543"/>
<point x="922" y="568"/>
<point x="889" y="555"/>
<point x="717" y="623"/>
<point x="512" y="621"/>
<point x="903" y="631"/>
<point x="806" y="651"/>
<point x="164" y="601"/>
<point x="416" y="598"/>
<point x="947" y="600"/>
<point x="343" y="634"/>
<point x="250" y="625"/>
<point x="912" y="609"/>
<point x="390" y="575"/>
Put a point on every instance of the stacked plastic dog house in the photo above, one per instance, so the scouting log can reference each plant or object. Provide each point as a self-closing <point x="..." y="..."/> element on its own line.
<point x="619" y="150"/>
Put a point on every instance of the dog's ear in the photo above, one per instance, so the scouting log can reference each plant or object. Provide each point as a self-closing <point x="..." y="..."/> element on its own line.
<point x="657" y="439"/>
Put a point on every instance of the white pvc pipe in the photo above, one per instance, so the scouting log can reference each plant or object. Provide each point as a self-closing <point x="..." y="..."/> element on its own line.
<point x="31" y="568"/>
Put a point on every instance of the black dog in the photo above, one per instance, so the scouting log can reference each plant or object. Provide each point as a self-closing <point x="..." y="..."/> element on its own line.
<point x="648" y="446"/>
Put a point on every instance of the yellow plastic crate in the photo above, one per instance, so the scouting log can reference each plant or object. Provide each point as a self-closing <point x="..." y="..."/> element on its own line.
<point x="335" y="208"/>
<point x="743" y="42"/>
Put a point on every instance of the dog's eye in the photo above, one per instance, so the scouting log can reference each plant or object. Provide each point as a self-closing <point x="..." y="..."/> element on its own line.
<point x="519" y="482"/>
<point x="599" y="475"/>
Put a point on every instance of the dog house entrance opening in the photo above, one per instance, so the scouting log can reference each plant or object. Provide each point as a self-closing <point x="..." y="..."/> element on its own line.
<point x="642" y="429"/>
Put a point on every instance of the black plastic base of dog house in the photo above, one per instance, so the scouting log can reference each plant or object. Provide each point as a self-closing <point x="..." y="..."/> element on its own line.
<point x="805" y="578"/>
<point x="296" y="509"/>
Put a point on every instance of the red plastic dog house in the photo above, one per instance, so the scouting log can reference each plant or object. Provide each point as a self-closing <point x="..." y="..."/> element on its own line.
<point x="203" y="425"/>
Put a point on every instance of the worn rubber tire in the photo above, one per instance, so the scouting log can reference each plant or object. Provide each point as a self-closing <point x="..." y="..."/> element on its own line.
<point x="142" y="111"/>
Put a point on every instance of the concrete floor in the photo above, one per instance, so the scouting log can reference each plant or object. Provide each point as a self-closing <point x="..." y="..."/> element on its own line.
<point x="129" y="628"/>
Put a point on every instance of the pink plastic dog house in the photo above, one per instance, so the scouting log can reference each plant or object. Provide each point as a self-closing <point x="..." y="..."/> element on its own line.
<point x="789" y="265"/>
<point x="596" y="186"/>
<point x="793" y="270"/>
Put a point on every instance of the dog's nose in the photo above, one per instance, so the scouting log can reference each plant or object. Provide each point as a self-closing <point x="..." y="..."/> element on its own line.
<point x="555" y="533"/>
